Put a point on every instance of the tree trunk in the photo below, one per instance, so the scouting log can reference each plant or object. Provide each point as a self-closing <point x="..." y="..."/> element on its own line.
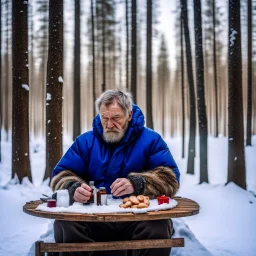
<point x="93" y="59"/>
<point x="236" y="158"/>
<point x="127" y="43"/>
<point x="7" y="73"/>
<point x="182" y="88"/>
<point x="54" y="87"/>
<point x="202" y="117"/>
<point x="149" y="119"/>
<point x="20" y="98"/>
<point x="134" y="52"/>
<point x="1" y="88"/>
<point x="249" y="78"/>
<point x="215" y="72"/>
<point x="103" y="48"/>
<point x="192" y="125"/>
<point x="77" y="75"/>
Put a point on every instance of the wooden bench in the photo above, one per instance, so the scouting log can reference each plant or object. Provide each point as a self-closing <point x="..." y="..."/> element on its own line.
<point x="185" y="207"/>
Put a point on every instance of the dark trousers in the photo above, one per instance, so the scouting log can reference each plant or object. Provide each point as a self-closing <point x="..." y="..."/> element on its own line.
<point x="80" y="232"/>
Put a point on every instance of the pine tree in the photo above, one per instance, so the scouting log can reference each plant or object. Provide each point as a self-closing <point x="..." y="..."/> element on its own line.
<point x="93" y="57"/>
<point x="249" y="76"/>
<point x="236" y="158"/>
<point x="134" y="51"/>
<point x="1" y="109"/>
<point x="149" y="119"/>
<point x="163" y="78"/>
<point x="20" y="98"/>
<point x="54" y="87"/>
<point x="192" y="127"/>
<point x="77" y="75"/>
<point x="202" y="117"/>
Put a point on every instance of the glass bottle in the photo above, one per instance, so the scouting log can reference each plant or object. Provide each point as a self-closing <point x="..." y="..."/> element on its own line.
<point x="102" y="196"/>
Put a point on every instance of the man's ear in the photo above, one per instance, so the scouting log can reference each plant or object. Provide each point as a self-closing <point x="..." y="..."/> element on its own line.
<point x="130" y="116"/>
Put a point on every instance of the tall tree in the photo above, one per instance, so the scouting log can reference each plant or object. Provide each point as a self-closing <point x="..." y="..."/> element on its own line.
<point x="215" y="70"/>
<point x="54" y="87"/>
<point x="202" y="117"/>
<point x="20" y="98"/>
<point x="42" y="46"/>
<point x="236" y="158"/>
<point x="7" y="70"/>
<point x="77" y="75"/>
<point x="163" y="79"/>
<point x="182" y="87"/>
<point x="192" y="121"/>
<point x="93" y="57"/>
<point x="149" y="66"/>
<point x="249" y="75"/>
<point x="127" y="42"/>
<point x="134" y="51"/>
<point x="1" y="108"/>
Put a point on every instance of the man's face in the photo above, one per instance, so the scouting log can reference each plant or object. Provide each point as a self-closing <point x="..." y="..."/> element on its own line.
<point x="114" y="122"/>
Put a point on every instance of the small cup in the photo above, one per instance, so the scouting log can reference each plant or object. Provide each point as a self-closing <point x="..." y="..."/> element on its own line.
<point x="163" y="199"/>
<point x="51" y="203"/>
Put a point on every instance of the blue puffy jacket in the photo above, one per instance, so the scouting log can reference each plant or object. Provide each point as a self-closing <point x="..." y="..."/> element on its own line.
<point x="141" y="149"/>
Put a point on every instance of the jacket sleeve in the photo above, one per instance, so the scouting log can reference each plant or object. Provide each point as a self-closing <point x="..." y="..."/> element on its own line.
<point x="72" y="167"/>
<point x="163" y="175"/>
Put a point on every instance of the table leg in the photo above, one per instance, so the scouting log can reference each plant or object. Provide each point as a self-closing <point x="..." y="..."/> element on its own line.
<point x="38" y="248"/>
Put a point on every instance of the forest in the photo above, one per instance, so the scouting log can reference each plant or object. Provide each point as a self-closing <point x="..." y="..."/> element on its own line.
<point x="57" y="57"/>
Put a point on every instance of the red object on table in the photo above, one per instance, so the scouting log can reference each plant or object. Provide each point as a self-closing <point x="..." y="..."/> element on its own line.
<point x="51" y="203"/>
<point x="163" y="199"/>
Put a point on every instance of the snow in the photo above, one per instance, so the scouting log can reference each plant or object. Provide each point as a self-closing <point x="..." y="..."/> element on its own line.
<point x="25" y="86"/>
<point x="48" y="96"/>
<point x="232" y="37"/>
<point x="225" y="226"/>
<point x="60" y="79"/>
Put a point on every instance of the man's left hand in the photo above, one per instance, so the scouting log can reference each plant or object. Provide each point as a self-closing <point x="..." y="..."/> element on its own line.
<point x="121" y="187"/>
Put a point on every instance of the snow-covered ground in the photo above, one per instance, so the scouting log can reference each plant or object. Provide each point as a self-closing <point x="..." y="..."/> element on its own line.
<point x="225" y="226"/>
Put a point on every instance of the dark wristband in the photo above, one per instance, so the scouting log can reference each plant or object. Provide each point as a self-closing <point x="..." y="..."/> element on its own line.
<point x="138" y="183"/>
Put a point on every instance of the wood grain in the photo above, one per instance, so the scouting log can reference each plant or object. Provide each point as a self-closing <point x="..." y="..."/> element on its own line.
<point x="106" y="246"/>
<point x="185" y="207"/>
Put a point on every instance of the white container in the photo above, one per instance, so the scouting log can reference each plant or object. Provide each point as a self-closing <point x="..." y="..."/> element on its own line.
<point x="62" y="198"/>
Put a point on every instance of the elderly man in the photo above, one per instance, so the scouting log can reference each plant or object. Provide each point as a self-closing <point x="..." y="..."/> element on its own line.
<point x="124" y="156"/>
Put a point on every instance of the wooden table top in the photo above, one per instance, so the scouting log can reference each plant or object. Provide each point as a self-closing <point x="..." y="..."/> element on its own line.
<point x="185" y="207"/>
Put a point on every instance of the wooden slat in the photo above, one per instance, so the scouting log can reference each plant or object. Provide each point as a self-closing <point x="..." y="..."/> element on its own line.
<point x="106" y="246"/>
<point x="185" y="207"/>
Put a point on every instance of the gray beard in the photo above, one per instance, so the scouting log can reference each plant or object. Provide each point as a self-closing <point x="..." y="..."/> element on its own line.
<point x="114" y="137"/>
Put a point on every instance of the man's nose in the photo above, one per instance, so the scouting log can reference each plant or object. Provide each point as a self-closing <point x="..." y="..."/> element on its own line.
<point x="110" y="124"/>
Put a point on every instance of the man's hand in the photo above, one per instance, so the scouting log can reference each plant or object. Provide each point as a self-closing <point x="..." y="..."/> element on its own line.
<point x="121" y="187"/>
<point x="83" y="193"/>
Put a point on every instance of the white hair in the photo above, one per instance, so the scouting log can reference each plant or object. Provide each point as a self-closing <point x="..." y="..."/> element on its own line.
<point x="124" y="99"/>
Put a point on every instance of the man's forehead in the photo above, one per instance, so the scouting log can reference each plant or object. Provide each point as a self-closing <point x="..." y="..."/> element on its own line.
<point x="112" y="109"/>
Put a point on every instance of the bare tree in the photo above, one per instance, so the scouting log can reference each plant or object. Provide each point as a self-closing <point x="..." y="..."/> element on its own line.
<point x="202" y="117"/>
<point x="20" y="98"/>
<point x="149" y="66"/>
<point x="182" y="87"/>
<point x="192" y="124"/>
<point x="1" y="108"/>
<point x="54" y="87"/>
<point x="77" y="75"/>
<point x="127" y="42"/>
<point x="163" y="79"/>
<point x="236" y="158"/>
<point x="215" y="70"/>
<point x="249" y="75"/>
<point x="134" y="51"/>
<point x="93" y="57"/>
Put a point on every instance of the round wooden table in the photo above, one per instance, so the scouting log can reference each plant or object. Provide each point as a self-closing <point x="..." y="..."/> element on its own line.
<point x="185" y="207"/>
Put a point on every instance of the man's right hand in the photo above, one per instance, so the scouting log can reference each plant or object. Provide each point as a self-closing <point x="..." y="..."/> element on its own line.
<point x="83" y="193"/>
